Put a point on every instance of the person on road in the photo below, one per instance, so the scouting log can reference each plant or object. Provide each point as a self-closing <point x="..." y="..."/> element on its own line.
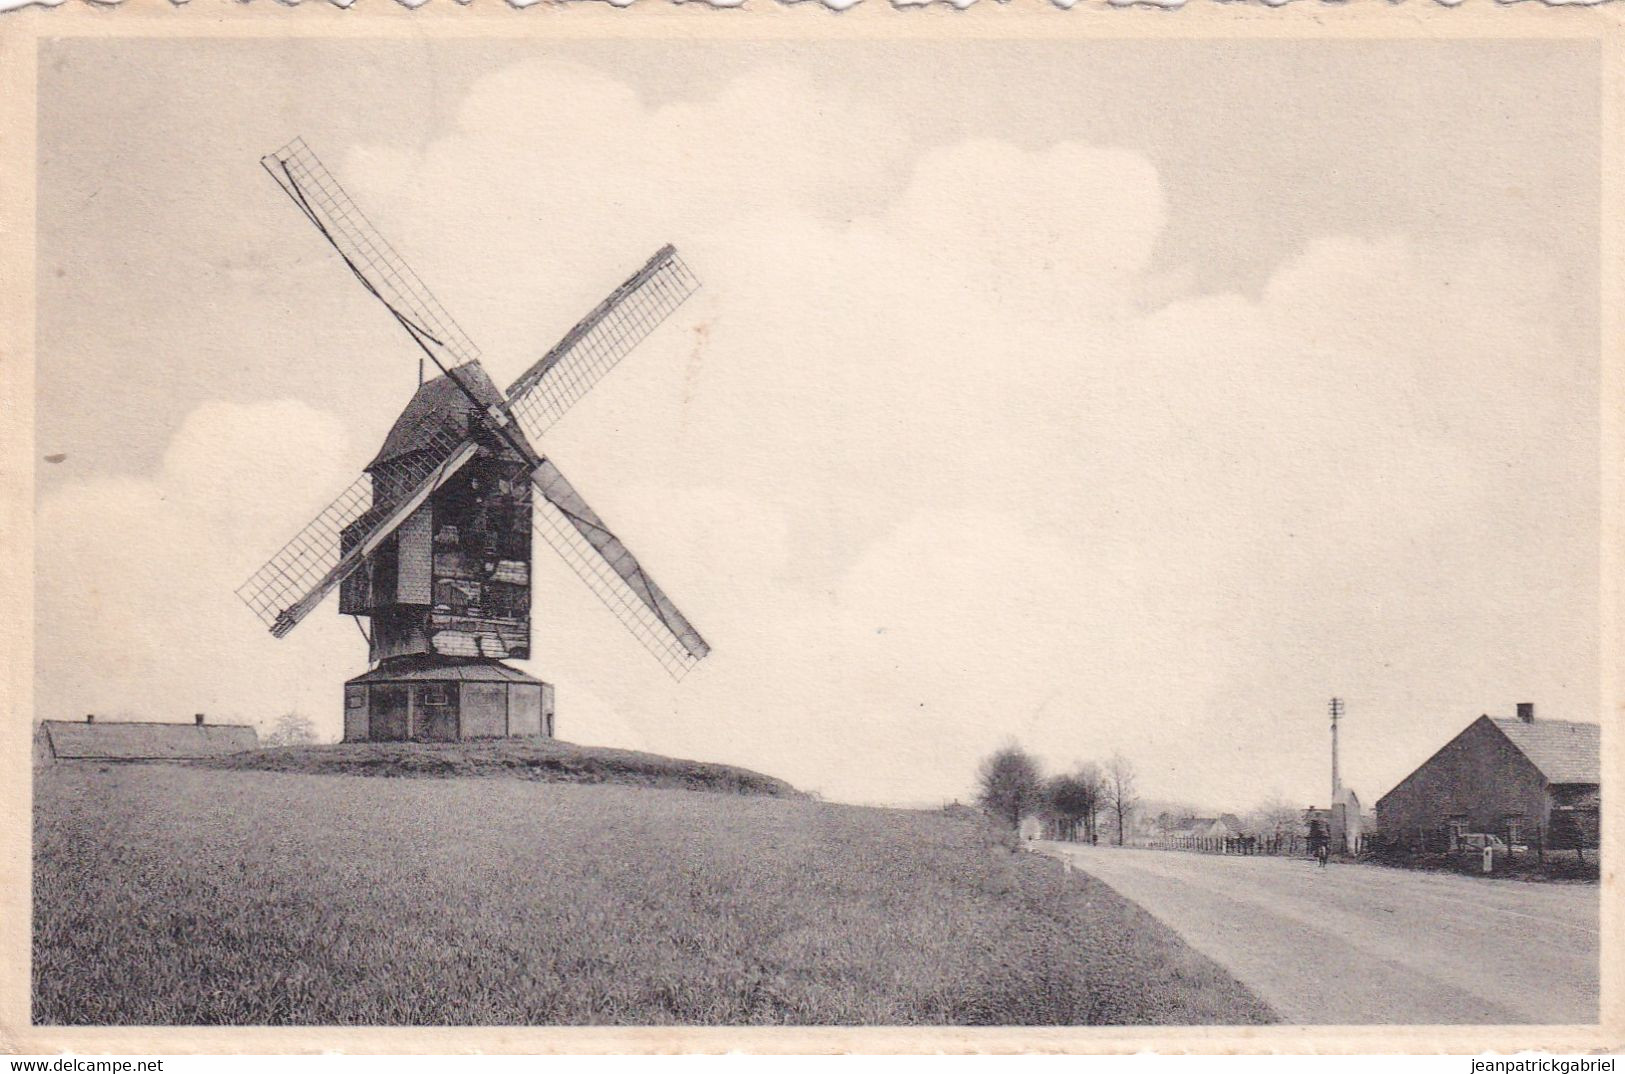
<point x="1322" y="852"/>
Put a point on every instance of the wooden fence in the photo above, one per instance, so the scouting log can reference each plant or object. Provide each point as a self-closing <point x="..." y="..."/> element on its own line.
<point x="1287" y="844"/>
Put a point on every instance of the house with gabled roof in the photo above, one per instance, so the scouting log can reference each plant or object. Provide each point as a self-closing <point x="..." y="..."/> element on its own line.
<point x="1227" y="826"/>
<point x="1534" y="783"/>
<point x="118" y="740"/>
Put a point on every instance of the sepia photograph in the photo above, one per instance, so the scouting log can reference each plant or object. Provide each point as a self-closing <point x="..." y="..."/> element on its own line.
<point x="925" y="528"/>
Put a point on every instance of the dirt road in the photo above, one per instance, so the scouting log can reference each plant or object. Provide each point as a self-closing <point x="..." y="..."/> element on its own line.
<point x="1357" y="944"/>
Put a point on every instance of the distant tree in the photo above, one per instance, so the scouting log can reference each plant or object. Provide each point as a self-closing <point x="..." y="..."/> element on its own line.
<point x="1051" y="792"/>
<point x="1092" y="784"/>
<point x="1120" y="795"/>
<point x="1009" y="785"/>
<point x="1068" y="799"/>
<point x="1319" y="834"/>
<point x="1575" y="829"/>
<point x="1275" y="817"/>
<point x="291" y="729"/>
<point x="1091" y="787"/>
<point x="1587" y="830"/>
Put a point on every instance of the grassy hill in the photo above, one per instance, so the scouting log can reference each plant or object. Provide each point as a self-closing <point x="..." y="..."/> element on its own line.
<point x="527" y="758"/>
<point x="170" y="894"/>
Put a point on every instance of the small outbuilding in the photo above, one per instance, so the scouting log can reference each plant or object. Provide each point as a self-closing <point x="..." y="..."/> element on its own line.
<point x="1534" y="783"/>
<point x="119" y="740"/>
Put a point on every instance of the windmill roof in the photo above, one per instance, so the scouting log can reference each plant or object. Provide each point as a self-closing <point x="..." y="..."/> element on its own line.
<point x="1565" y="752"/>
<point x="440" y="670"/>
<point x="438" y="406"/>
<point x="115" y="741"/>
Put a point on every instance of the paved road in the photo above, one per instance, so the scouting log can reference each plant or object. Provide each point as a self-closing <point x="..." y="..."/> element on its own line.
<point x="1355" y="944"/>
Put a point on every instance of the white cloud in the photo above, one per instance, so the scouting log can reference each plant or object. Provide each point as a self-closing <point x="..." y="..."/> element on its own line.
<point x="135" y="578"/>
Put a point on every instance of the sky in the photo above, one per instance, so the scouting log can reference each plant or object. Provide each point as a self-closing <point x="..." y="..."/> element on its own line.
<point x="1098" y="397"/>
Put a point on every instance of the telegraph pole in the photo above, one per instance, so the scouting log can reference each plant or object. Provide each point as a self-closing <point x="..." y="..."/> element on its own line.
<point x="1337" y="714"/>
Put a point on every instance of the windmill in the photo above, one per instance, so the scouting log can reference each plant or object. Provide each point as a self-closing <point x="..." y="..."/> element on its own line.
<point x="432" y="542"/>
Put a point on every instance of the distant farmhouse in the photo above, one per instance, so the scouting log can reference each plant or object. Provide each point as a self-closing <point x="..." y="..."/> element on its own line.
<point x="1532" y="782"/>
<point x="1226" y="826"/>
<point x="111" y="740"/>
<point x="1169" y="826"/>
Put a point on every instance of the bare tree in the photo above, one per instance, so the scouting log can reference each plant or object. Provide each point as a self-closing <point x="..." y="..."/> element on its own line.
<point x="1009" y="785"/>
<point x="291" y="729"/>
<point x="1120" y="796"/>
<point x="1275" y="817"/>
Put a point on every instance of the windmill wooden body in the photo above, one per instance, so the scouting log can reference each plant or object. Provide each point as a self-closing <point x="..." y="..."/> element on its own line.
<point x="432" y="544"/>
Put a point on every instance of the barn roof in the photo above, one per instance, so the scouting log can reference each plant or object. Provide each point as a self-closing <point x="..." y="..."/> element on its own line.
<point x="114" y="741"/>
<point x="439" y="405"/>
<point x="1565" y="752"/>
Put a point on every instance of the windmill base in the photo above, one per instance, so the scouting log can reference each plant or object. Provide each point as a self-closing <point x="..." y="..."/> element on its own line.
<point x="442" y="699"/>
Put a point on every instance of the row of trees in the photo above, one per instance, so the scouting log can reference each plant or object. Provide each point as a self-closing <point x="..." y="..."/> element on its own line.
<point x="1011" y="785"/>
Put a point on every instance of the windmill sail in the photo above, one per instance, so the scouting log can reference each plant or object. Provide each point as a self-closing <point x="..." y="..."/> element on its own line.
<point x="312" y="552"/>
<point x="373" y="260"/>
<point x="353" y="527"/>
<point x="310" y="566"/>
<point x="610" y="570"/>
<point x="600" y="340"/>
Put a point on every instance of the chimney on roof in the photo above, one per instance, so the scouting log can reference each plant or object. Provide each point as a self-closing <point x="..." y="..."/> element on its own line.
<point x="90" y="717"/>
<point x="1526" y="711"/>
<point x="199" y="718"/>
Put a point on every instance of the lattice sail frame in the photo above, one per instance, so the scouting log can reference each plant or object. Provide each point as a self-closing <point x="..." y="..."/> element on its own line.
<point x="599" y="341"/>
<point x="574" y="530"/>
<point x="312" y="553"/>
<point x="374" y="261"/>
<point x="307" y="568"/>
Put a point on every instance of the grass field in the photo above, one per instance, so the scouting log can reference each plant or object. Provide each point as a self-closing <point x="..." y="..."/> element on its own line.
<point x="181" y="895"/>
